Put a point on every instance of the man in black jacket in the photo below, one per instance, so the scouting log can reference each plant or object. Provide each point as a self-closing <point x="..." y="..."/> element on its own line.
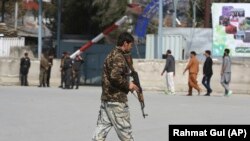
<point x="24" y="69"/>
<point x="207" y="72"/>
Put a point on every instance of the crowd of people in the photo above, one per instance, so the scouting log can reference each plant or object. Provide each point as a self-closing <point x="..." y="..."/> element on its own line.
<point x="114" y="109"/>
<point x="193" y="69"/>
<point x="70" y="70"/>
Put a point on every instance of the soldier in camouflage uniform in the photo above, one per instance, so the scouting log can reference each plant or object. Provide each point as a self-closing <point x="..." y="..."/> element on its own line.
<point x="114" y="110"/>
<point x="61" y="69"/>
<point x="44" y="65"/>
<point x="76" y="71"/>
<point x="50" y="59"/>
<point x="67" y="68"/>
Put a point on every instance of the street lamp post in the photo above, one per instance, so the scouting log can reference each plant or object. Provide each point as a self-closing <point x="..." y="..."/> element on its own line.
<point x="3" y="10"/>
<point x="194" y="13"/>
<point x="16" y="14"/>
<point x="59" y="7"/>
<point x="174" y="14"/>
<point x="159" y="49"/>
<point x="40" y="29"/>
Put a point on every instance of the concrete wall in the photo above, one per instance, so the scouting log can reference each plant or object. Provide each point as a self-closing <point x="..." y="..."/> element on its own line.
<point x="9" y="72"/>
<point x="150" y="76"/>
<point x="149" y="72"/>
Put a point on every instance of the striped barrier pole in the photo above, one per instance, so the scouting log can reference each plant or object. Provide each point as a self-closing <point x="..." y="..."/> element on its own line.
<point x="100" y="36"/>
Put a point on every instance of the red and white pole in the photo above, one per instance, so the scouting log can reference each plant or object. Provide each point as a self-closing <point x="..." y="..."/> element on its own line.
<point x="100" y="36"/>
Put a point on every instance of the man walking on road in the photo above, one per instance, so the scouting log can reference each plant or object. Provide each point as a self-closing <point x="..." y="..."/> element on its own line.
<point x="170" y="69"/>
<point x="114" y="110"/>
<point x="207" y="72"/>
<point x="193" y="68"/>
<point x="226" y="72"/>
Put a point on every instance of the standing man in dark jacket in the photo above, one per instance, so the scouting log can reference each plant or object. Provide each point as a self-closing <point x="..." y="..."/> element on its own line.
<point x="114" y="110"/>
<point x="24" y="69"/>
<point x="207" y="72"/>
<point x="50" y="59"/>
<point x="76" y="71"/>
<point x="170" y="69"/>
<point x="67" y="68"/>
<point x="62" y="70"/>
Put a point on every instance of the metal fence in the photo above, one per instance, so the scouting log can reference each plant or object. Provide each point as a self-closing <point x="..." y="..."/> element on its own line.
<point x="176" y="43"/>
<point x="196" y="39"/>
<point x="7" y="43"/>
<point x="181" y="41"/>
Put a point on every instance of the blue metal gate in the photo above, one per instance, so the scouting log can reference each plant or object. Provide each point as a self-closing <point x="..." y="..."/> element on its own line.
<point x="94" y="57"/>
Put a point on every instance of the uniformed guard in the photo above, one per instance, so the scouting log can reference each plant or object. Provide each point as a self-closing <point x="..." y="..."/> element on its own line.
<point x="67" y="68"/>
<point x="50" y="59"/>
<point x="76" y="71"/>
<point x="44" y="66"/>
<point x="24" y="69"/>
<point x="62" y="70"/>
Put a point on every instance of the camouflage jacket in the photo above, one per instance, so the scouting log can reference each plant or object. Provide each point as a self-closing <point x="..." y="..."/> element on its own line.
<point x="44" y="63"/>
<point x="115" y="83"/>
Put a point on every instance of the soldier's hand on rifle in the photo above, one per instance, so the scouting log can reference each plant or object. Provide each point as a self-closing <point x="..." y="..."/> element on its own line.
<point x="133" y="87"/>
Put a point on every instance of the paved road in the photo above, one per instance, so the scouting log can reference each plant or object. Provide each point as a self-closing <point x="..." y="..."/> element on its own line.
<point x="53" y="114"/>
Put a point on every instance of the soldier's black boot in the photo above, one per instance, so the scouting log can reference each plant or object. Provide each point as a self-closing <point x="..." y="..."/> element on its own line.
<point x="76" y="87"/>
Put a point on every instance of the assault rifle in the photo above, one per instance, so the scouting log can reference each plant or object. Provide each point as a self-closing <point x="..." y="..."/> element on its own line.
<point x="136" y="81"/>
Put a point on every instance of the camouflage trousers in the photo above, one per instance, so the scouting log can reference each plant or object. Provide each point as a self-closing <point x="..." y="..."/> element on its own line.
<point x="113" y="114"/>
